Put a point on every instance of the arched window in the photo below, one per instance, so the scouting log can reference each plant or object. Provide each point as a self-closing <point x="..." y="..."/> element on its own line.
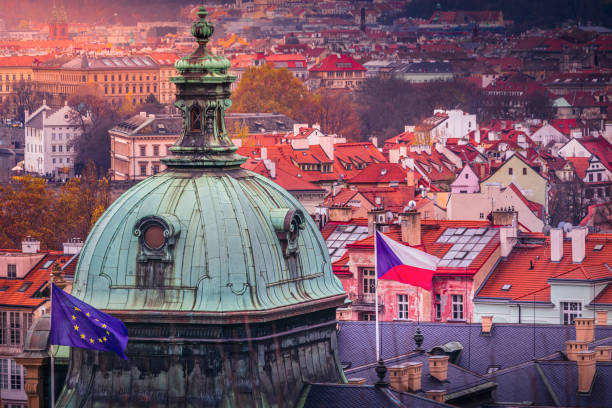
<point x="196" y="118"/>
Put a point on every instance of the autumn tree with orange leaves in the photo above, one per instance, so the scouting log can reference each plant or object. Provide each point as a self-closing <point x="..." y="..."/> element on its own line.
<point x="31" y="207"/>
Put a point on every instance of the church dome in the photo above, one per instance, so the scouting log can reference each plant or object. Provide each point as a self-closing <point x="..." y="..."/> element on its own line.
<point x="206" y="237"/>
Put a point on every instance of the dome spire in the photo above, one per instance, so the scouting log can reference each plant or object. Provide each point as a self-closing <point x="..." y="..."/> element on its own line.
<point x="203" y="95"/>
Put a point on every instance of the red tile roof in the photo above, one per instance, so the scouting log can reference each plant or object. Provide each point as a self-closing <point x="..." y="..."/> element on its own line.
<point x="337" y="62"/>
<point x="531" y="283"/>
<point x="38" y="277"/>
<point x="431" y="230"/>
<point x="380" y="173"/>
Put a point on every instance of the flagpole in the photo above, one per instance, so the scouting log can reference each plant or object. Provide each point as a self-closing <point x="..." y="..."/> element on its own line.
<point x="376" y="293"/>
<point x="52" y="352"/>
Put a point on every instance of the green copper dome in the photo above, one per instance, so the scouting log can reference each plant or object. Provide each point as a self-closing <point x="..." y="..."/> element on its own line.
<point x="232" y="242"/>
<point x="206" y="236"/>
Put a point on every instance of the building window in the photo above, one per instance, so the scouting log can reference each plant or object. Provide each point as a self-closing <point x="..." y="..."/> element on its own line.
<point x="457" y="301"/>
<point x="368" y="317"/>
<point x="143" y="150"/>
<point x="598" y="176"/>
<point x="60" y="148"/>
<point x="437" y="306"/>
<point x="510" y="170"/>
<point x="402" y="306"/>
<point x="14" y="328"/>
<point x="143" y="169"/>
<point x="53" y="148"/>
<point x="155" y="150"/>
<point x="570" y="310"/>
<point x="369" y="283"/>
<point x="155" y="168"/>
<point x="590" y="176"/>
<point x="524" y="171"/>
<point x="105" y="77"/>
<point x="11" y="271"/>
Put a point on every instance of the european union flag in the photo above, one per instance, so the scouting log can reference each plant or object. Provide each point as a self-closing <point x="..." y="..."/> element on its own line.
<point x="75" y="323"/>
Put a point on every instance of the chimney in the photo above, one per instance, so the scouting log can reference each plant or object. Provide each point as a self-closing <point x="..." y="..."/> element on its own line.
<point x="436" y="395"/>
<point x="438" y="367"/>
<point x="414" y="375"/>
<point x="572" y="347"/>
<point x="586" y="370"/>
<point x="375" y="217"/>
<point x="398" y="377"/>
<point x="556" y="244"/>
<point x="503" y="217"/>
<point x="487" y="324"/>
<point x="73" y="246"/>
<point x="271" y="167"/>
<point x="507" y="238"/>
<point x="356" y="380"/>
<point x="410" y="225"/>
<point x="585" y="328"/>
<point x="341" y="213"/>
<point x="603" y="353"/>
<point x="343" y="314"/>
<point x="578" y="243"/>
<point x="602" y="317"/>
<point x="263" y="154"/>
<point x="30" y="245"/>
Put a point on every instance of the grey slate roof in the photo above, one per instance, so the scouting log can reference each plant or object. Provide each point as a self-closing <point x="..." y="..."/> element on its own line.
<point x="508" y="345"/>
<point x="459" y="378"/>
<point x="363" y="396"/>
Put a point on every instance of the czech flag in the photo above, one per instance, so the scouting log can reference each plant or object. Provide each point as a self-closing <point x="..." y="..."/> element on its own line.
<point x="402" y="263"/>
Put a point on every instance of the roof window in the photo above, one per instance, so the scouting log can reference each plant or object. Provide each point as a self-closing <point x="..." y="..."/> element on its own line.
<point x="506" y="287"/>
<point x="3" y="288"/>
<point x="47" y="264"/>
<point x="598" y="247"/>
<point x="24" y="287"/>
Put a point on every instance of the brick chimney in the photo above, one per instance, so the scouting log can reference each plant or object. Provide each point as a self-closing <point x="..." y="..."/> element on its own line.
<point x="556" y="244"/>
<point x="436" y="395"/>
<point x="414" y="375"/>
<point x="603" y="353"/>
<point x="578" y="244"/>
<point x="375" y="217"/>
<point x="487" y="324"/>
<point x="341" y="213"/>
<point x="585" y="328"/>
<point x="438" y="367"/>
<point x="398" y="377"/>
<point x="602" y="317"/>
<point x="503" y="217"/>
<point x="572" y="347"/>
<point x="586" y="370"/>
<point x="410" y="224"/>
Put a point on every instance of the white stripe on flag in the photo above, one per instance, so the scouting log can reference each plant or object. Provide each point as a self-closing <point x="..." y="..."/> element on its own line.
<point x="412" y="256"/>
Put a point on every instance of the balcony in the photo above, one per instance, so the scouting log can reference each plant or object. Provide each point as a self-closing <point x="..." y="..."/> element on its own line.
<point x="365" y="302"/>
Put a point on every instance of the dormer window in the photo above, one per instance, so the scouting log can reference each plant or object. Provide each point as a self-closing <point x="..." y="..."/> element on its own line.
<point x="196" y="119"/>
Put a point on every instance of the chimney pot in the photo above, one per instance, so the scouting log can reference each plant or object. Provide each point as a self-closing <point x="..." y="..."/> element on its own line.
<point x="487" y="323"/>
<point x="398" y="377"/>
<point x="374" y="219"/>
<point x="602" y="317"/>
<point x="603" y="353"/>
<point x="586" y="370"/>
<point x="585" y="328"/>
<point x="30" y="245"/>
<point x="572" y="347"/>
<point x="436" y="395"/>
<point x="578" y="244"/>
<point x="438" y="367"/>
<point x="556" y="244"/>
<point x="410" y="225"/>
<point x="414" y="376"/>
<point x="503" y="217"/>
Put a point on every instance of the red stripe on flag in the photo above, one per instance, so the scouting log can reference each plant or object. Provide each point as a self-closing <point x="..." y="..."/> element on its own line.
<point x="410" y="275"/>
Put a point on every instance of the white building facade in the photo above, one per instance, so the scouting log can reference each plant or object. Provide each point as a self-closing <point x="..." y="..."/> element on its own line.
<point x="49" y="138"/>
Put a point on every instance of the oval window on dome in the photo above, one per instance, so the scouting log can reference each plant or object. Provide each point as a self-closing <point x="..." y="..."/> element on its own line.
<point x="154" y="237"/>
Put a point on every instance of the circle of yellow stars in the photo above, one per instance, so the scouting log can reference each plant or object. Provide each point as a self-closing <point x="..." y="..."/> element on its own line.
<point x="83" y="336"/>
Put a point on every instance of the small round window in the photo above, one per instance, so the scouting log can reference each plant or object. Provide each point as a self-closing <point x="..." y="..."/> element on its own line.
<point x="154" y="237"/>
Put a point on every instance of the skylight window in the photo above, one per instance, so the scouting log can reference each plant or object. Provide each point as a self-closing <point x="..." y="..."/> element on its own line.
<point x="24" y="287"/>
<point x="343" y="235"/>
<point x="506" y="287"/>
<point x="598" y="247"/>
<point x="3" y="288"/>
<point x="47" y="265"/>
